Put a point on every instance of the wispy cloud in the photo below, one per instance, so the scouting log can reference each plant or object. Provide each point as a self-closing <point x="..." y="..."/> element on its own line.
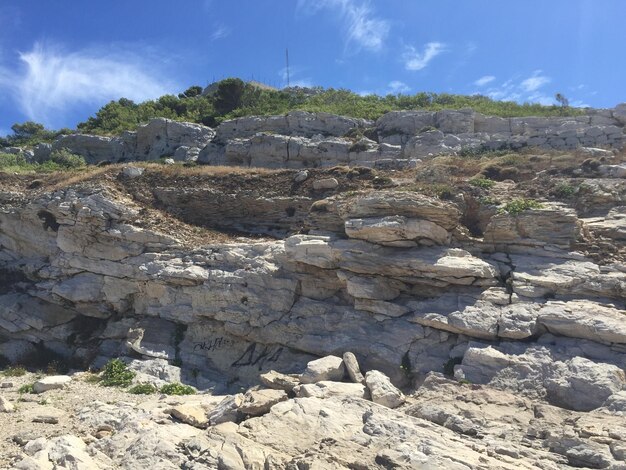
<point x="418" y="60"/>
<point x="482" y="81"/>
<point x="295" y="77"/>
<point x="50" y="81"/>
<point x="534" y="82"/>
<point x="529" y="89"/>
<point x="364" y="30"/>
<point x="396" y="86"/>
<point x="220" y="32"/>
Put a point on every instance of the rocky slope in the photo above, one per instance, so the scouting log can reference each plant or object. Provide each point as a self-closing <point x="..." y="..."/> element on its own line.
<point x="302" y="140"/>
<point x="503" y="321"/>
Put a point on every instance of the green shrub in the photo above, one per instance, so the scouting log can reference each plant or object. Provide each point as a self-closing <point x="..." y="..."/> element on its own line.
<point x="143" y="389"/>
<point x="564" y="191"/>
<point x="518" y="206"/>
<point x="28" y="388"/>
<point x="177" y="389"/>
<point x="484" y="183"/>
<point x="65" y="159"/>
<point x="116" y="374"/>
<point x="14" y="371"/>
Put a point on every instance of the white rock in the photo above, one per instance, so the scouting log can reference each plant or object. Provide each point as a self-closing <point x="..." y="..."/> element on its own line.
<point x="132" y="171"/>
<point x="325" y="368"/>
<point x="327" y="389"/>
<point x="327" y="183"/>
<point x="5" y="405"/>
<point x="52" y="382"/>
<point x="382" y="390"/>
<point x="301" y="176"/>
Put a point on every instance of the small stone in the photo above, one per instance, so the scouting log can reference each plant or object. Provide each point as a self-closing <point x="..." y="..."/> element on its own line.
<point x="382" y="390"/>
<point x="352" y="367"/>
<point x="6" y="406"/>
<point x="48" y="419"/>
<point x="7" y="385"/>
<point x="327" y="183"/>
<point x="169" y="161"/>
<point x="51" y="383"/>
<point x="325" y="368"/>
<point x="190" y="414"/>
<point x="301" y="176"/>
<point x="102" y="434"/>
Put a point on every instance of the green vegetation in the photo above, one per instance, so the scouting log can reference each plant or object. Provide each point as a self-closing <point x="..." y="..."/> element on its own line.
<point x="59" y="160"/>
<point x="30" y="133"/>
<point x="14" y="371"/>
<point x="233" y="98"/>
<point x="28" y="388"/>
<point x="564" y="191"/>
<point x="177" y="389"/>
<point x="143" y="389"/>
<point x="517" y="206"/>
<point x="484" y="183"/>
<point x="116" y="374"/>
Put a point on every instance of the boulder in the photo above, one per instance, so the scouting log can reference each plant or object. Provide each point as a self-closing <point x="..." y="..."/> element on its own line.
<point x="259" y="402"/>
<point x="382" y="390"/>
<point x="52" y="382"/>
<point x="328" y="389"/>
<point x="278" y="381"/>
<point x="227" y="410"/>
<point x="352" y="368"/>
<point x="325" y="368"/>
<point x="327" y="183"/>
<point x="190" y="414"/>
<point x="5" y="405"/>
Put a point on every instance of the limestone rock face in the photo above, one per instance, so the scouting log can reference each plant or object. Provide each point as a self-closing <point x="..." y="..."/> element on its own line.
<point x="162" y="137"/>
<point x="296" y="123"/>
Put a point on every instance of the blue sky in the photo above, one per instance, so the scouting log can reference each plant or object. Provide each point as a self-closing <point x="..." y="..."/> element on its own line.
<point x="60" y="60"/>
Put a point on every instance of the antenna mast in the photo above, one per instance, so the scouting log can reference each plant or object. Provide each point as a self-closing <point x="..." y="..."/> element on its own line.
<point x="287" y="61"/>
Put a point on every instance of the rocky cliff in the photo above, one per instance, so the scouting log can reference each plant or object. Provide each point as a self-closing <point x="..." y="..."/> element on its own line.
<point x="218" y="276"/>
<point x="303" y="140"/>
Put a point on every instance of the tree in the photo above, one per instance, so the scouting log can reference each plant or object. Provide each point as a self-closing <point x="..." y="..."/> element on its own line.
<point x="228" y="95"/>
<point x="562" y="100"/>
<point x="27" y="129"/>
<point x="191" y="92"/>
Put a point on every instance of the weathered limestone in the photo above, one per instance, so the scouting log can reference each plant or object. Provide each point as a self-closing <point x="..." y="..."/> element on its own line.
<point x="382" y="390"/>
<point x="51" y="383"/>
<point x="325" y="368"/>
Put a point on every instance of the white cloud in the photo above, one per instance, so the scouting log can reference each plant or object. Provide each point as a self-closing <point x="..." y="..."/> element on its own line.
<point x="415" y="60"/>
<point x="220" y="32"/>
<point x="295" y="77"/>
<point x="364" y="30"/>
<point x="526" y="90"/>
<point x="397" y="86"/>
<point x="51" y="81"/>
<point x="534" y="82"/>
<point x="482" y="81"/>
